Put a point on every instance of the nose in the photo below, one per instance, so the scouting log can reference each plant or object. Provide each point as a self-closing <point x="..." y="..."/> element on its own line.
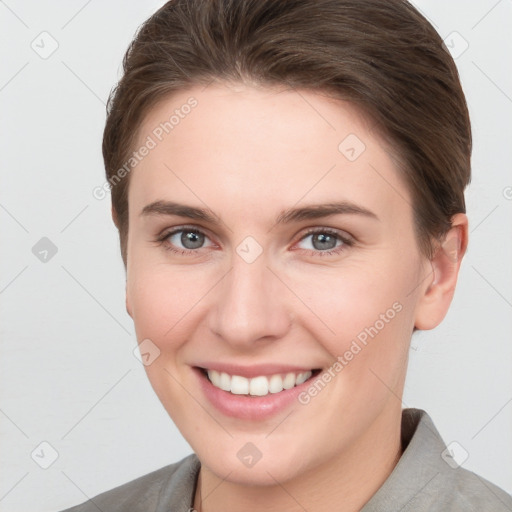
<point x="250" y="306"/>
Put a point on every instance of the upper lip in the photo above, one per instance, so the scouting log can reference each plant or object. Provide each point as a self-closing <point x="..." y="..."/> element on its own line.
<point x="254" y="370"/>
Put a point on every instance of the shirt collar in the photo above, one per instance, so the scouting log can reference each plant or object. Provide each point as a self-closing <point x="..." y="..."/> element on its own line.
<point x="419" y="467"/>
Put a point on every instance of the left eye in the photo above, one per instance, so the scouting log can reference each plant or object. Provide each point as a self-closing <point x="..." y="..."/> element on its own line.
<point x="322" y="241"/>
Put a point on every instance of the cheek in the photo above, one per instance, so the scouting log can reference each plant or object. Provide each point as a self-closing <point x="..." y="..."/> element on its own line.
<point x="163" y="311"/>
<point x="162" y="300"/>
<point x="363" y="318"/>
<point x="343" y="301"/>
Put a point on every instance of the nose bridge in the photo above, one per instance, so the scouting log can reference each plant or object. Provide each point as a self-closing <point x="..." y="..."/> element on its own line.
<point x="249" y="303"/>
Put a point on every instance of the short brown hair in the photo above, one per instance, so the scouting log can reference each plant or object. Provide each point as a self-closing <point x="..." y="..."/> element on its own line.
<point x="381" y="55"/>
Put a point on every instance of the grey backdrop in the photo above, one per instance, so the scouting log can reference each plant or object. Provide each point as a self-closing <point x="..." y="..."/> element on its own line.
<point x="68" y="376"/>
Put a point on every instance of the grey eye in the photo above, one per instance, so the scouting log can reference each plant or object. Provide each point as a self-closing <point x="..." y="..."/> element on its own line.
<point x="188" y="239"/>
<point x="322" y="241"/>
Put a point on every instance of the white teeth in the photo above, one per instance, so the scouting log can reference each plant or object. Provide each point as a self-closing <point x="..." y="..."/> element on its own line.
<point x="303" y="377"/>
<point x="239" y="385"/>
<point x="214" y="376"/>
<point x="225" y="382"/>
<point x="289" y="381"/>
<point x="257" y="386"/>
<point x="275" y="384"/>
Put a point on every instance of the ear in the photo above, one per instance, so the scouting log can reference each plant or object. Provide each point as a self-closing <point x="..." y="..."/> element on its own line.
<point x="128" y="303"/>
<point x="437" y="296"/>
<point x="114" y="217"/>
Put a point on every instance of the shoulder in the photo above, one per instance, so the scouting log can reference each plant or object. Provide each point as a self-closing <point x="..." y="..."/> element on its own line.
<point x="452" y="487"/>
<point x="174" y="482"/>
<point x="464" y="490"/>
<point x="427" y="477"/>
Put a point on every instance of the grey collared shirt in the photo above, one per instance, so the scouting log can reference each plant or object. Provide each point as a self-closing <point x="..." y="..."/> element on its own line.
<point x="426" y="478"/>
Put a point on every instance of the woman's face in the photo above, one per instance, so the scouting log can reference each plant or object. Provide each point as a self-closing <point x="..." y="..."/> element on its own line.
<point x="270" y="234"/>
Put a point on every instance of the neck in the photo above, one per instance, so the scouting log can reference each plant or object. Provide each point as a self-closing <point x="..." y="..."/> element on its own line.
<point x="348" y="479"/>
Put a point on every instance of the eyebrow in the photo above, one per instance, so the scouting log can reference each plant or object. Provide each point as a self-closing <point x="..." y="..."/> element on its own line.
<point x="168" y="208"/>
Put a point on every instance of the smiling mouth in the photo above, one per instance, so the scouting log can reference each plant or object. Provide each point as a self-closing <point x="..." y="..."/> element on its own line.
<point x="262" y="385"/>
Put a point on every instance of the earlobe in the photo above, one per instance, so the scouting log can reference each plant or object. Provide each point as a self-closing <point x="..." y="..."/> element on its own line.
<point x="437" y="295"/>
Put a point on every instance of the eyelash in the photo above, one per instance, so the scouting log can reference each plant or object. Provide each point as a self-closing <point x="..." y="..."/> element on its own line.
<point x="346" y="242"/>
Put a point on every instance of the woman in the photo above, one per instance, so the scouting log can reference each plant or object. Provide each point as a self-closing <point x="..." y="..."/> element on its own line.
<point x="288" y="181"/>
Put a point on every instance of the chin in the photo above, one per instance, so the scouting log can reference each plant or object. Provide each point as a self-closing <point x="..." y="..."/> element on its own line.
<point x="257" y="462"/>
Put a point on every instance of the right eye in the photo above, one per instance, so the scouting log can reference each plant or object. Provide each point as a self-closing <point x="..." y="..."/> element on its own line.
<point x="184" y="240"/>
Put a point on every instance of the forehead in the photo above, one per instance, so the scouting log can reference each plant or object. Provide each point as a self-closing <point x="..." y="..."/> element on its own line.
<point x="242" y="150"/>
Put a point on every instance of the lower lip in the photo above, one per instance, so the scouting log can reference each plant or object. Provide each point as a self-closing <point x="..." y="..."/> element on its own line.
<point x="245" y="407"/>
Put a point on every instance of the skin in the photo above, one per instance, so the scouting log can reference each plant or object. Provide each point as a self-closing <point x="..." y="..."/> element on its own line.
<point x="248" y="153"/>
